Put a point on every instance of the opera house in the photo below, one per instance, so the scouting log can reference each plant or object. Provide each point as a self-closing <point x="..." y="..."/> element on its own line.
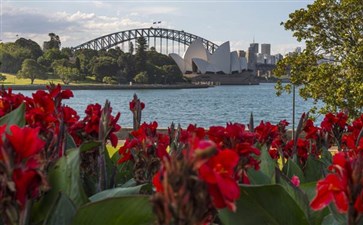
<point x="197" y="59"/>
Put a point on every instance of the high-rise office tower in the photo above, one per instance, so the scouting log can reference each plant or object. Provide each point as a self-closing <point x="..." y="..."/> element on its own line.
<point x="266" y="49"/>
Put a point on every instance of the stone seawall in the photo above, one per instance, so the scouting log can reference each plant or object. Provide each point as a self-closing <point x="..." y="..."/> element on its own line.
<point x="111" y="87"/>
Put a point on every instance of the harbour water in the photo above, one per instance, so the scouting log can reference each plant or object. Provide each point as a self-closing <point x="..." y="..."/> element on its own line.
<point x="204" y="107"/>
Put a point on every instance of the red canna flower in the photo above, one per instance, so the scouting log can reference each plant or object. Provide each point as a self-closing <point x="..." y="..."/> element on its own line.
<point x="27" y="184"/>
<point x="266" y="133"/>
<point x="331" y="189"/>
<point x="25" y="141"/>
<point x="218" y="172"/>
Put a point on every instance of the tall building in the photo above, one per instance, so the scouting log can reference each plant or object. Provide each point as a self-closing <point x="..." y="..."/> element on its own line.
<point x="252" y="56"/>
<point x="254" y="47"/>
<point x="241" y="53"/>
<point x="266" y="49"/>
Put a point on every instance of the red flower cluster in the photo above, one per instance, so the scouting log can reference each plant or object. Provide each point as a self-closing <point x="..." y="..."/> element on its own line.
<point x="21" y="163"/>
<point x="89" y="128"/>
<point x="215" y="167"/>
<point x="146" y="140"/>
<point x="235" y="137"/>
<point x="343" y="185"/>
<point x="9" y="101"/>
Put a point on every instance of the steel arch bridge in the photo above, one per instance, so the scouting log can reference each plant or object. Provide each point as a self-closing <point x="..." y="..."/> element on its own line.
<point x="114" y="39"/>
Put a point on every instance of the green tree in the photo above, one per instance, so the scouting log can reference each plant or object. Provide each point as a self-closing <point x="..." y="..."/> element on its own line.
<point x="141" y="78"/>
<point x="12" y="56"/>
<point x="66" y="74"/>
<point x="32" y="70"/>
<point x="50" y="56"/>
<point x="85" y="57"/>
<point x="104" y="66"/>
<point x="32" y="46"/>
<point x="127" y="64"/>
<point x="330" y="69"/>
<point x="140" y="56"/>
<point x="53" y="43"/>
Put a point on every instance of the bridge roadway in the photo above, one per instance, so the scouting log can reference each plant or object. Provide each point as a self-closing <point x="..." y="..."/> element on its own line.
<point x="114" y="39"/>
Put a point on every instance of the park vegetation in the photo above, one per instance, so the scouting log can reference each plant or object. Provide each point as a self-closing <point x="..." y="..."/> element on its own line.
<point x="28" y="60"/>
<point x="330" y="69"/>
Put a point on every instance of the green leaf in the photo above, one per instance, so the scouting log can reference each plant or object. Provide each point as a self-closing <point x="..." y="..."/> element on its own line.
<point x="116" y="192"/>
<point x="267" y="204"/>
<point x="90" y="145"/>
<point x="62" y="211"/>
<point x="267" y="165"/>
<point x="258" y="177"/>
<point x="329" y="220"/>
<point x="339" y="217"/>
<point x="70" y="144"/>
<point x="291" y="168"/>
<point x="131" y="210"/>
<point x="129" y="183"/>
<point x="15" y="117"/>
<point x="313" y="169"/>
<point x="64" y="177"/>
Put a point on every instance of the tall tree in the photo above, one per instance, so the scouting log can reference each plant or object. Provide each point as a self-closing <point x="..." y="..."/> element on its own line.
<point x="104" y="66"/>
<point x="32" y="70"/>
<point x="31" y="45"/>
<point x="140" y="56"/>
<point x="330" y="69"/>
<point x="53" y="43"/>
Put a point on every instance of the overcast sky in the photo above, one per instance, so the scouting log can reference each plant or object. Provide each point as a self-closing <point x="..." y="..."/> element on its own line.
<point x="78" y="21"/>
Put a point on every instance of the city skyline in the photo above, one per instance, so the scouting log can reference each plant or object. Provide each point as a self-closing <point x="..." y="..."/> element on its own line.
<point x="240" y="22"/>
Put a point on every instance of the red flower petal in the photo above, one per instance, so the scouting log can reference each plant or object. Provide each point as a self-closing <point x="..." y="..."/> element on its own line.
<point x="25" y="141"/>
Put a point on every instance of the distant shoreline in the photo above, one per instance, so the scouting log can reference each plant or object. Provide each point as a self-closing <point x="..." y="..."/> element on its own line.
<point x="109" y="87"/>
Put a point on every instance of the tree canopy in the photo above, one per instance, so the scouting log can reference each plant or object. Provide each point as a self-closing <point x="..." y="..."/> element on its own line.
<point x="32" y="70"/>
<point x="330" y="68"/>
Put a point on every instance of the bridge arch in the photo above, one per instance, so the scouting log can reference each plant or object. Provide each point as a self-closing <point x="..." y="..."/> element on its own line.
<point x="114" y="39"/>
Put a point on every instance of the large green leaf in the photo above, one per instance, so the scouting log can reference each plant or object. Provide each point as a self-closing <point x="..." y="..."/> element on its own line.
<point x="64" y="177"/>
<point x="292" y="169"/>
<point x="313" y="169"/>
<point x="117" y="192"/>
<point x="267" y="204"/>
<point x="258" y="177"/>
<point x="62" y="211"/>
<point x="15" y="117"/>
<point x="131" y="210"/>
<point x="267" y="165"/>
<point x="329" y="220"/>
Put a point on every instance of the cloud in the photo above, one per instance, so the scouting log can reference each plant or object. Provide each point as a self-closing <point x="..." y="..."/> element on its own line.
<point x="156" y="10"/>
<point x="73" y="28"/>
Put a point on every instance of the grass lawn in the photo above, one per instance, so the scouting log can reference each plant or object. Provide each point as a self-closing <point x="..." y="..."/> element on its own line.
<point x="11" y="79"/>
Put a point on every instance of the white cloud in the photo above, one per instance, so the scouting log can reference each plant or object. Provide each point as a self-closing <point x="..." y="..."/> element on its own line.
<point x="73" y="28"/>
<point x="156" y="10"/>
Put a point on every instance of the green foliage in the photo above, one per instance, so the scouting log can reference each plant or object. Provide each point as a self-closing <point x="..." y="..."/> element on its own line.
<point x="67" y="74"/>
<point x="50" y="56"/>
<point x="140" y="56"/>
<point x="62" y="211"/>
<point x="109" y="80"/>
<point x="63" y="177"/>
<point x="53" y="43"/>
<point x="330" y="69"/>
<point x="131" y="210"/>
<point x="258" y="205"/>
<point x="141" y="78"/>
<point x="16" y="117"/>
<point x="104" y="66"/>
<point x="32" y="70"/>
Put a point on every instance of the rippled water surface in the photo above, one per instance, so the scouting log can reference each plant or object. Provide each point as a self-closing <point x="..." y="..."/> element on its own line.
<point x="204" y="107"/>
